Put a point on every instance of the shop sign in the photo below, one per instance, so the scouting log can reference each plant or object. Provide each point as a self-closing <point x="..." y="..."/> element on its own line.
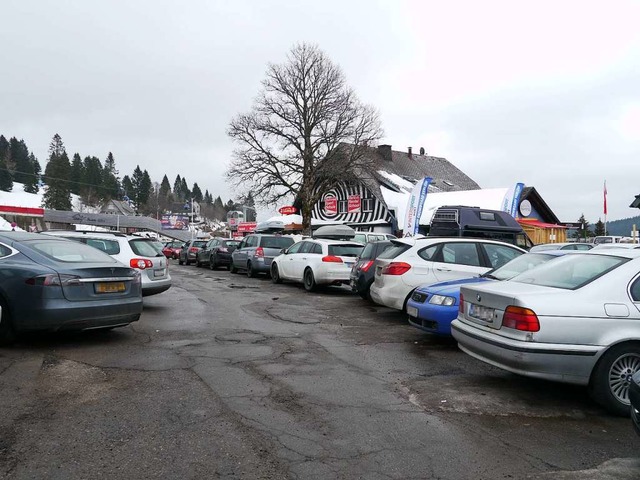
<point x="331" y="205"/>
<point x="353" y="206"/>
<point x="288" y="210"/>
<point x="247" y="227"/>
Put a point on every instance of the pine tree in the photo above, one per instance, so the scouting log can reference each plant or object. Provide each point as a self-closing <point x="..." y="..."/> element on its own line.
<point x="127" y="187"/>
<point x="31" y="183"/>
<point x="184" y="189"/>
<point x="6" y="181"/>
<point x="165" y="187"/>
<point x="177" y="188"/>
<point x="77" y="174"/>
<point x="57" y="173"/>
<point x="136" y="182"/>
<point x="208" y="199"/>
<point x="599" y="228"/>
<point x="4" y="148"/>
<point x="146" y="188"/>
<point x="91" y="190"/>
<point x="19" y="161"/>
<point x="196" y="193"/>
<point x="110" y="181"/>
<point x="218" y="209"/>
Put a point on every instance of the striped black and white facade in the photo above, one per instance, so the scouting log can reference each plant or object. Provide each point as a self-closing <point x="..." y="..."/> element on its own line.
<point x="372" y="214"/>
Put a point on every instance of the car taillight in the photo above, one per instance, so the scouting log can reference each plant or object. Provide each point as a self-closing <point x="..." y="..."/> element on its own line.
<point x="520" y="319"/>
<point x="193" y="249"/>
<point x="461" y="307"/>
<point x="396" y="268"/>
<point x="55" y="280"/>
<point x="140" y="263"/>
<point x="366" y="266"/>
<point x="331" y="259"/>
<point x="260" y="252"/>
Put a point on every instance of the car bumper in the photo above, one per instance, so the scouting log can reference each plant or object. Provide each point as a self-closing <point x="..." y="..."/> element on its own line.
<point x="431" y="318"/>
<point x="64" y="315"/>
<point x="152" y="286"/>
<point x="557" y="362"/>
<point x="262" y="265"/>
<point x="335" y="273"/>
<point x="392" y="295"/>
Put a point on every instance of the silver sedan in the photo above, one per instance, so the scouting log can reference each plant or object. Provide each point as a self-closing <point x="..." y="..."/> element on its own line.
<point x="574" y="320"/>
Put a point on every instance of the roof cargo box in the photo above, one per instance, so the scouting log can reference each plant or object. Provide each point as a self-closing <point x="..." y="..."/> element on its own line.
<point x="335" y="232"/>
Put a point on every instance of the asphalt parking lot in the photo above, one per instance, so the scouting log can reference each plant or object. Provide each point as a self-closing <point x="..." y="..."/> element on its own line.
<point x="230" y="377"/>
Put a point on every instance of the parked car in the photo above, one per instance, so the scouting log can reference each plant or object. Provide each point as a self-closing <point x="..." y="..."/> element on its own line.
<point x="217" y="252"/>
<point x="574" y="320"/>
<point x="255" y="253"/>
<point x="142" y="253"/>
<point x="432" y="308"/>
<point x="366" y="237"/>
<point x="316" y="262"/>
<point x="415" y="261"/>
<point x="189" y="251"/>
<point x="361" y="276"/>
<point x="609" y="246"/>
<point x="634" y="398"/>
<point x="49" y="283"/>
<point x="172" y="249"/>
<point x="561" y="246"/>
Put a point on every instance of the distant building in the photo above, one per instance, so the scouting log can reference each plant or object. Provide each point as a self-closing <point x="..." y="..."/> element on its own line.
<point x="118" y="207"/>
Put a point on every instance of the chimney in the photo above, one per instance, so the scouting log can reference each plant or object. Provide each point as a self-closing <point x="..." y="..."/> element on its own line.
<point x="385" y="151"/>
<point x="421" y="150"/>
<point x="410" y="156"/>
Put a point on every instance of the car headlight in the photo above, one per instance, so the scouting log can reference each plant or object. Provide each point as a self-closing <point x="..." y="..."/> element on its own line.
<point x="442" y="300"/>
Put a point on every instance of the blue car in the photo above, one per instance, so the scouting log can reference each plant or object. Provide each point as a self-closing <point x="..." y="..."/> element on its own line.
<point x="433" y="307"/>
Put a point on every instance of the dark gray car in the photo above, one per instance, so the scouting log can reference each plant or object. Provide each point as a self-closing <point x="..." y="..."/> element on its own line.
<point x="256" y="252"/>
<point x="362" y="272"/>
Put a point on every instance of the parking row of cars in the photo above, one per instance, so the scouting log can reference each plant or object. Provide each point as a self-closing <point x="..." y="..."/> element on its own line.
<point x="565" y="314"/>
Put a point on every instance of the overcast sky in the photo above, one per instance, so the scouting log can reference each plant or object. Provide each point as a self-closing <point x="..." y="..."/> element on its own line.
<point x="546" y="92"/>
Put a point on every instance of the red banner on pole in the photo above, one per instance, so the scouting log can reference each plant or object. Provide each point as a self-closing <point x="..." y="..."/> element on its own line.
<point x="287" y="210"/>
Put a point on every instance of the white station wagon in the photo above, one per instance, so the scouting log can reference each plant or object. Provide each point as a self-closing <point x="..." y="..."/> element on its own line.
<point x="314" y="262"/>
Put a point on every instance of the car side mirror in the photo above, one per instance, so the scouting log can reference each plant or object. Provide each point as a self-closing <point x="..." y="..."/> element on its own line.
<point x="284" y="250"/>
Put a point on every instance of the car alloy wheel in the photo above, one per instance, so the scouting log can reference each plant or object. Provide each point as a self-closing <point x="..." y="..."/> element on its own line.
<point x="611" y="378"/>
<point x="251" y="273"/>
<point x="212" y="262"/>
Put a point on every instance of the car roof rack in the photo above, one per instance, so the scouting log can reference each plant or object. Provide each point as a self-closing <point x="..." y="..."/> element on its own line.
<point x="105" y="232"/>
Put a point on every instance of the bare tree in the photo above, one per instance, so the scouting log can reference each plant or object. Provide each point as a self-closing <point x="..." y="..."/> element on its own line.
<point x="307" y="131"/>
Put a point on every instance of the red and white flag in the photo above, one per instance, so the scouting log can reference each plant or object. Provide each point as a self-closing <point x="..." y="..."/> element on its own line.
<point x="605" y="197"/>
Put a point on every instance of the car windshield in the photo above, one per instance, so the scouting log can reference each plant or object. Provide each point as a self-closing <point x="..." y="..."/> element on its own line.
<point x="519" y="265"/>
<point x="68" y="251"/>
<point x="199" y="243"/>
<point x="145" y="247"/>
<point x="276" y="242"/>
<point x="571" y="271"/>
<point x="231" y="243"/>
<point x="396" y="249"/>
<point x="345" y="250"/>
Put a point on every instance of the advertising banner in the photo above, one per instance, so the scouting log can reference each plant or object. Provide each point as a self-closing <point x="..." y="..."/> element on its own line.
<point x="353" y="205"/>
<point x="247" y="227"/>
<point x="511" y="200"/>
<point x="414" y="206"/>
<point x="174" y="222"/>
<point x="288" y="210"/>
<point x="331" y="205"/>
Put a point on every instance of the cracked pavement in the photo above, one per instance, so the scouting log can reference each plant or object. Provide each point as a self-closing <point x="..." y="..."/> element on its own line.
<point x="230" y="377"/>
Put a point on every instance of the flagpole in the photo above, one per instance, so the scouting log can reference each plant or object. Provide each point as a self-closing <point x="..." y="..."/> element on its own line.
<point x="605" y="207"/>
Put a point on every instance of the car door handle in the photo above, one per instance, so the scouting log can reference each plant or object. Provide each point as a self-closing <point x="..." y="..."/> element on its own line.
<point x="443" y="269"/>
<point x="304" y="258"/>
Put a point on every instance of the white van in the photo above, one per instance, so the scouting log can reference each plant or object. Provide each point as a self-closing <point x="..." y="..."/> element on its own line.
<point x="607" y="239"/>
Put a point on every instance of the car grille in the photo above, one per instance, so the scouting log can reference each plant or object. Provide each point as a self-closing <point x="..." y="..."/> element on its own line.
<point x="419" y="297"/>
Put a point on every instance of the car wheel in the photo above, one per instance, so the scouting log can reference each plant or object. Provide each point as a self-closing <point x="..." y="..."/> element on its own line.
<point x="275" y="274"/>
<point x="609" y="385"/>
<point x="212" y="262"/>
<point x="309" y="280"/>
<point x="251" y="273"/>
<point x="7" y="333"/>
<point x="366" y="292"/>
<point x="233" y="269"/>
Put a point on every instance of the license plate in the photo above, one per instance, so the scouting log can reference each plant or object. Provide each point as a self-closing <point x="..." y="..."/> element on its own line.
<point x="349" y="264"/>
<point x="110" y="287"/>
<point x="158" y="273"/>
<point x="483" y="313"/>
<point x="412" y="311"/>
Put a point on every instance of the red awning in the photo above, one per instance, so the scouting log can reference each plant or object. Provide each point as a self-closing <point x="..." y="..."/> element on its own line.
<point x="23" y="211"/>
<point x="538" y="223"/>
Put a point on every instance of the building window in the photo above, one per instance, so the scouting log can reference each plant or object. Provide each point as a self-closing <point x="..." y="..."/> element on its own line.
<point x="367" y="204"/>
<point x="342" y="206"/>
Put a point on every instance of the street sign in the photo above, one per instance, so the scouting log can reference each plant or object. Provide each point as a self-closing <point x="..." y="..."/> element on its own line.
<point x="288" y="210"/>
<point x="577" y="225"/>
